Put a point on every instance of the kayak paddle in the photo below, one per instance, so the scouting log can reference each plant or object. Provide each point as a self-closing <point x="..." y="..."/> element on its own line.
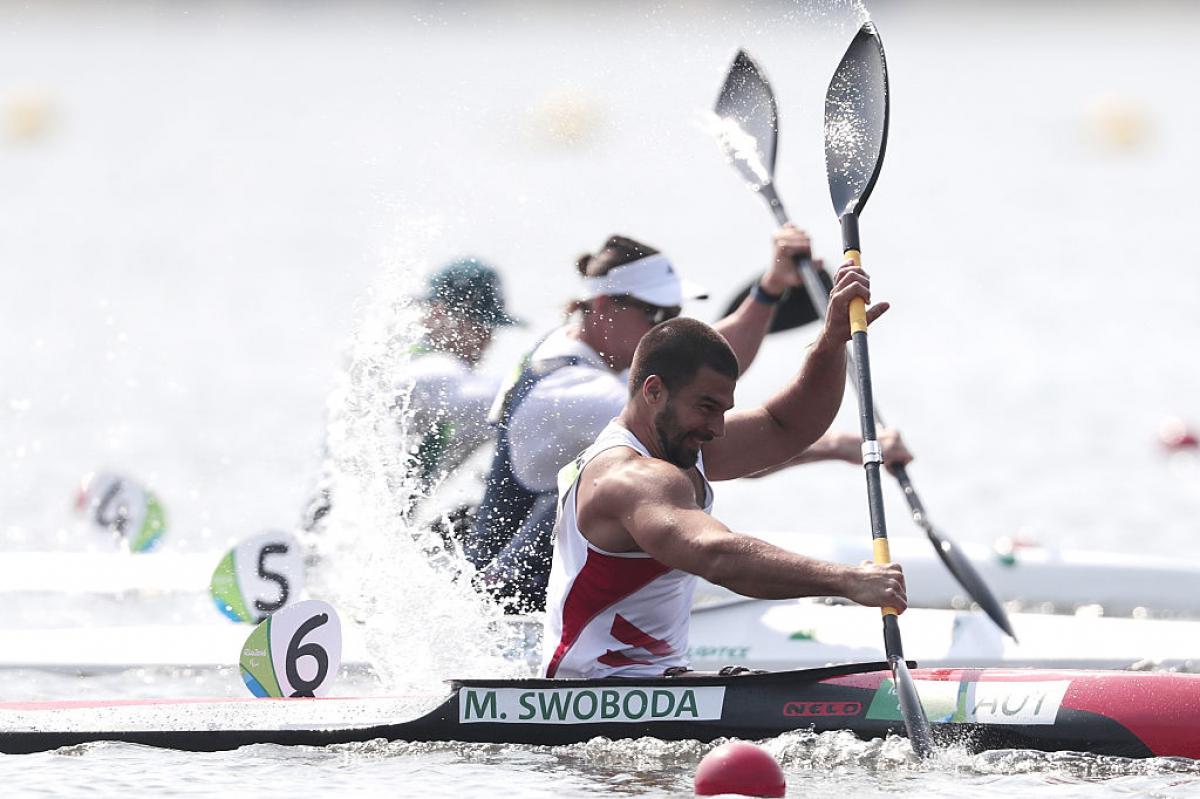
<point x="747" y="127"/>
<point x="748" y="131"/>
<point x="856" y="119"/>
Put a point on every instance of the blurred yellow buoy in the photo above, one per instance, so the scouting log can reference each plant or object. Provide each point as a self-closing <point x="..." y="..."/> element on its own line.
<point x="1118" y="123"/>
<point x="26" y="114"/>
<point x="566" y="117"/>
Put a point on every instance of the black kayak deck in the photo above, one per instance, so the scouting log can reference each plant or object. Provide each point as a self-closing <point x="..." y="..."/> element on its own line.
<point x="973" y="708"/>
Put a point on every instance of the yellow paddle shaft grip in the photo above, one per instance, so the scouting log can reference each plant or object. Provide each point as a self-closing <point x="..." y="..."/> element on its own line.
<point x="884" y="555"/>
<point x="858" y="308"/>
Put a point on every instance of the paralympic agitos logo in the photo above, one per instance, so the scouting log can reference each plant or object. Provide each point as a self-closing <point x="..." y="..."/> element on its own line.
<point x="807" y="709"/>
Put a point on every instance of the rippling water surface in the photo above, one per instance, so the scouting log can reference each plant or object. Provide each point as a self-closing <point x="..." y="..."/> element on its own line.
<point x="210" y="217"/>
<point x="829" y="765"/>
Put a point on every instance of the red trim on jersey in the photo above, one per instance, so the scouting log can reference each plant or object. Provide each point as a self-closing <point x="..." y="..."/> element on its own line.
<point x="617" y="659"/>
<point x="627" y="632"/>
<point x="603" y="581"/>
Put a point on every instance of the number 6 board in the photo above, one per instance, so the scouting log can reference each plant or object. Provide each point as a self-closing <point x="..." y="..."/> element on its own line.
<point x="295" y="652"/>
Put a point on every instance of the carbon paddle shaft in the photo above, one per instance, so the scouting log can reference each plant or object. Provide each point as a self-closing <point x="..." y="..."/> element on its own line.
<point x="914" y="714"/>
<point x="872" y="461"/>
<point x="871" y="451"/>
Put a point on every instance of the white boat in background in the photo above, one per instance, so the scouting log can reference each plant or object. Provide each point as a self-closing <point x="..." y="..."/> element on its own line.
<point x="100" y="649"/>
<point x="778" y="635"/>
<point x="1045" y="579"/>
<point x="113" y="572"/>
<point x="1031" y="577"/>
<point x="1107" y="613"/>
<point x="761" y="634"/>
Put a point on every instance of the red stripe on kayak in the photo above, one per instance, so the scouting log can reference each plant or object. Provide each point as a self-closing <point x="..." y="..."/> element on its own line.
<point x="1161" y="709"/>
<point x="603" y="581"/>
<point x="101" y="704"/>
<point x="872" y="679"/>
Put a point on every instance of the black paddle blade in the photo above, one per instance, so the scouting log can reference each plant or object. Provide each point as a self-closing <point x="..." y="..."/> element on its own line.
<point x="794" y="310"/>
<point x="955" y="561"/>
<point x="966" y="575"/>
<point x="915" y="721"/>
<point x="747" y="124"/>
<point x="856" y="122"/>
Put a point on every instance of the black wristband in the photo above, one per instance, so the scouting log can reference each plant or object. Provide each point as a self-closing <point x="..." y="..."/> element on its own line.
<point x="765" y="297"/>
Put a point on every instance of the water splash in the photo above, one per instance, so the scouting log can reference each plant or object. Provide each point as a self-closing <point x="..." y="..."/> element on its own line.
<point x="855" y="124"/>
<point x="422" y="621"/>
<point x="740" y="147"/>
<point x="841" y="16"/>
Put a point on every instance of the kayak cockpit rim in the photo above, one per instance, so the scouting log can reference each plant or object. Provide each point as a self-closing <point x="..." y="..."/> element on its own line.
<point x="689" y="678"/>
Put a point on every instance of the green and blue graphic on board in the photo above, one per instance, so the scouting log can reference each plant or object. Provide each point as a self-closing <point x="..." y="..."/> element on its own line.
<point x="294" y="652"/>
<point x="1025" y="702"/>
<point x="258" y="577"/>
<point x="122" y="508"/>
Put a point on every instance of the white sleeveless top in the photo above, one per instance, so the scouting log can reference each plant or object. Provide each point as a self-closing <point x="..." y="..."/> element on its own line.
<point x="612" y="614"/>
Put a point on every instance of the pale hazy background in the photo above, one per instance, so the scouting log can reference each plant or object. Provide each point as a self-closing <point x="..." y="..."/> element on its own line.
<point x="195" y="198"/>
<point x="206" y="208"/>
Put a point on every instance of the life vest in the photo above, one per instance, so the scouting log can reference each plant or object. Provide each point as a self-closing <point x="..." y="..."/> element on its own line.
<point x="511" y="545"/>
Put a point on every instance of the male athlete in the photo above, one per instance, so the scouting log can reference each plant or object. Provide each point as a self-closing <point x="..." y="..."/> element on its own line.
<point x="633" y="528"/>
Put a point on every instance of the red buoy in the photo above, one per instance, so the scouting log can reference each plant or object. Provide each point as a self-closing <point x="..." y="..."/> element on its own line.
<point x="1176" y="435"/>
<point x="741" y="768"/>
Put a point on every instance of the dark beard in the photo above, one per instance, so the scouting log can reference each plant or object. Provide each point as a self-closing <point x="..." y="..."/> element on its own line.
<point x="671" y="438"/>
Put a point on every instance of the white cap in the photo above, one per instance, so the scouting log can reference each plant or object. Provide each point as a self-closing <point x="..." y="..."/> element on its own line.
<point x="651" y="279"/>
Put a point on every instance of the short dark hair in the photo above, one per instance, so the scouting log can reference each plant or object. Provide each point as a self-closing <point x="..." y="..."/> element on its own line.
<point x="675" y="351"/>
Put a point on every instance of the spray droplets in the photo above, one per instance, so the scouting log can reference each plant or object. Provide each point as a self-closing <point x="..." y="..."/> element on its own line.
<point x="740" y="147"/>
<point x="856" y="121"/>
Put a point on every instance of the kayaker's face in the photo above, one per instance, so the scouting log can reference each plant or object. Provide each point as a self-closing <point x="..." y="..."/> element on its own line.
<point x="474" y="339"/>
<point x="626" y="320"/>
<point x="456" y="333"/>
<point x="694" y="415"/>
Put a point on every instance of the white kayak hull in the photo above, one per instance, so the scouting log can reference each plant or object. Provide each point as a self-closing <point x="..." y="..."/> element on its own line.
<point x="760" y="634"/>
<point x="1032" y="577"/>
<point x="801" y="633"/>
<point x="107" y="572"/>
<point x="90" y="650"/>
<point x="1036" y="578"/>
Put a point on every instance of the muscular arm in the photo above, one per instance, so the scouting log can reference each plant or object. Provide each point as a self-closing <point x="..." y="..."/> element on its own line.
<point x="787" y="424"/>
<point x="792" y="420"/>
<point x="839" y="445"/>
<point x="653" y="503"/>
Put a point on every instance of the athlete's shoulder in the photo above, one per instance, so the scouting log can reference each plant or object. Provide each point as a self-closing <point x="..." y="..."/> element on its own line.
<point x="623" y="475"/>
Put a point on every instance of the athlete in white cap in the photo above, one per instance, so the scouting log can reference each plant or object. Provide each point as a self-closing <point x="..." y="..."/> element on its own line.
<point x="573" y="382"/>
